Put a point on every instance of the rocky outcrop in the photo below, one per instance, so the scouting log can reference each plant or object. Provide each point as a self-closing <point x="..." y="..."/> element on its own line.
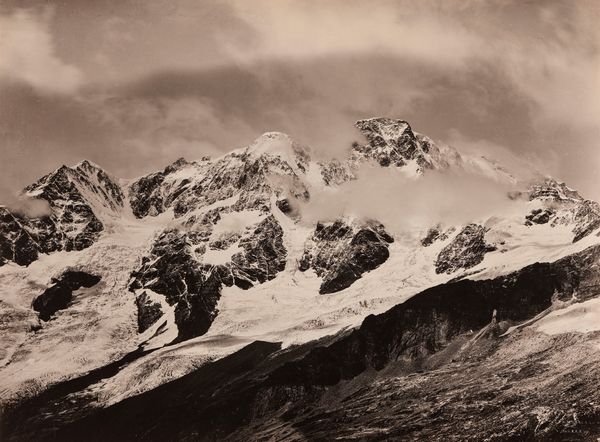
<point x="539" y="216"/>
<point x="272" y="164"/>
<point x="390" y="142"/>
<point x="434" y="234"/>
<point x="466" y="250"/>
<point x="336" y="172"/>
<point x="59" y="295"/>
<point x="563" y="205"/>
<point x="340" y="253"/>
<point x="551" y="189"/>
<point x="175" y="268"/>
<point x="16" y="244"/>
<point x="73" y="193"/>
<point x="77" y="198"/>
<point x="393" y="143"/>
<point x="148" y="311"/>
<point x="145" y="197"/>
<point x="264" y="254"/>
<point x="171" y="270"/>
<point x="154" y="193"/>
<point x="587" y="219"/>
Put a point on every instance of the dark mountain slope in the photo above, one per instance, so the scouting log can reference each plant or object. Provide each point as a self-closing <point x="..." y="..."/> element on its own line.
<point x="423" y="333"/>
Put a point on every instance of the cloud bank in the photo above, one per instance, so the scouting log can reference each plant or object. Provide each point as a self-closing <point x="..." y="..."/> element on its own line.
<point x="404" y="203"/>
<point x="134" y="85"/>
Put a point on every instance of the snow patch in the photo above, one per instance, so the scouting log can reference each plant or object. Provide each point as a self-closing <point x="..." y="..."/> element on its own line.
<point x="583" y="317"/>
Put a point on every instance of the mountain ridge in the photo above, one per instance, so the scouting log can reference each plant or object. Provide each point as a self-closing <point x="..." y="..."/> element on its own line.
<point x="203" y="257"/>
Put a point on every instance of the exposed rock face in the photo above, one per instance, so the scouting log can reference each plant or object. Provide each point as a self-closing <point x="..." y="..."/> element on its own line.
<point x="391" y="142"/>
<point x="340" y="253"/>
<point x="73" y="193"/>
<point x="78" y="197"/>
<point x="16" y="244"/>
<point x="264" y="254"/>
<point x="284" y="205"/>
<point x="587" y="219"/>
<point x="272" y="164"/>
<point x="539" y="216"/>
<point x="154" y="193"/>
<point x="552" y="189"/>
<point x="434" y="234"/>
<point x="564" y="206"/>
<point x="58" y="296"/>
<point x="148" y="311"/>
<point x="336" y="172"/>
<point x="172" y="270"/>
<point x="145" y="195"/>
<point x="196" y="310"/>
<point x="466" y="250"/>
<point x="224" y="241"/>
<point x="176" y="269"/>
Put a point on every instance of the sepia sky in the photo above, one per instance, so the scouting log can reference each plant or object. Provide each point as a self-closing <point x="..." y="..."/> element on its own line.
<point x="133" y="85"/>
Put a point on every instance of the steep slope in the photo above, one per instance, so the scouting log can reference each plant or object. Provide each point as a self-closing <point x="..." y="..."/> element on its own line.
<point x="340" y="253"/>
<point x="202" y="258"/>
<point x="80" y="198"/>
<point x="392" y="142"/>
<point x="410" y="372"/>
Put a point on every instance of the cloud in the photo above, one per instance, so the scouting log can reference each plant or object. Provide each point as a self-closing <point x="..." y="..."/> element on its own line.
<point x="311" y="29"/>
<point x="404" y="203"/>
<point x="315" y="101"/>
<point x="527" y="166"/>
<point x="549" y="50"/>
<point x="29" y="207"/>
<point x="27" y="53"/>
<point x="179" y="78"/>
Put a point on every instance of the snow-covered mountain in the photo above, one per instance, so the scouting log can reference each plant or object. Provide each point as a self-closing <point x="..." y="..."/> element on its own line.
<point x="192" y="263"/>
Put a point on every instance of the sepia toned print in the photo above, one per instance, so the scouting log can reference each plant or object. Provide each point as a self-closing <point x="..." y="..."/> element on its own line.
<point x="299" y="220"/>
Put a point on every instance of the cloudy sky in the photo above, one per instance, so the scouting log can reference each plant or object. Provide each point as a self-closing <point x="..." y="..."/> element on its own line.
<point x="133" y="84"/>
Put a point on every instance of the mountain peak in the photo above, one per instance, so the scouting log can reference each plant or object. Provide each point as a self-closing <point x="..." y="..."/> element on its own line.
<point x="387" y="128"/>
<point x="176" y="165"/>
<point x="271" y="142"/>
<point x="86" y="165"/>
<point x="392" y="142"/>
<point x="281" y="145"/>
<point x="552" y="189"/>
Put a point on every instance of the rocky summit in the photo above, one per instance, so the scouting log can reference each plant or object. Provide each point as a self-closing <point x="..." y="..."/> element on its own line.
<point x="249" y="297"/>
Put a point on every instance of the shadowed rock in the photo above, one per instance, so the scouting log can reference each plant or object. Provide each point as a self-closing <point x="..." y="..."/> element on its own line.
<point x="341" y="253"/>
<point x="148" y="312"/>
<point x="58" y="296"/>
<point x="465" y="251"/>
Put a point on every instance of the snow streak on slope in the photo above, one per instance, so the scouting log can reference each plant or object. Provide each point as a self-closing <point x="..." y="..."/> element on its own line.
<point x="581" y="318"/>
